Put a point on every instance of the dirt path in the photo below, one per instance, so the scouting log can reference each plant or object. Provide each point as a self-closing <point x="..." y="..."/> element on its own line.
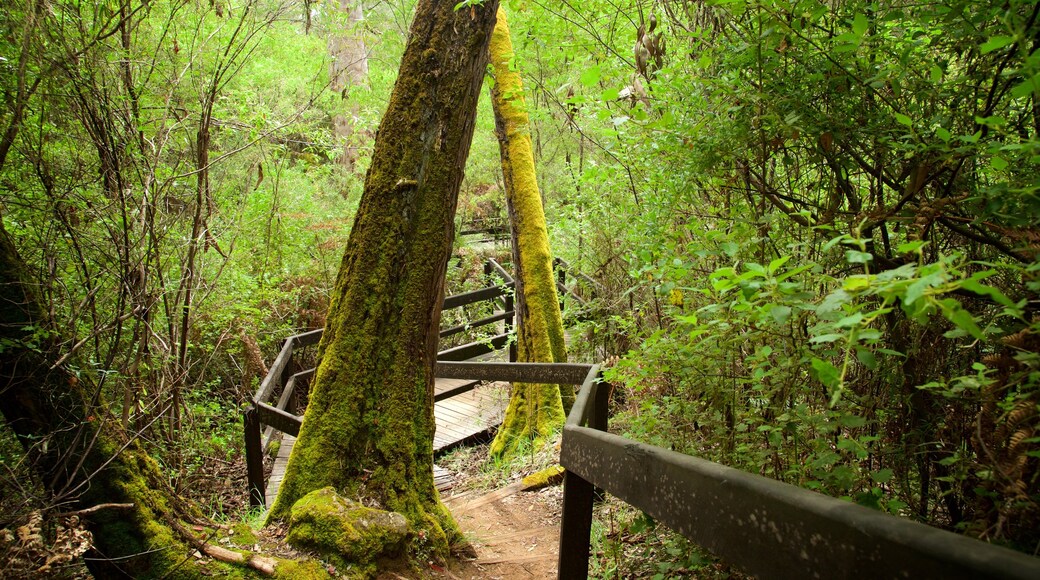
<point x="515" y="533"/>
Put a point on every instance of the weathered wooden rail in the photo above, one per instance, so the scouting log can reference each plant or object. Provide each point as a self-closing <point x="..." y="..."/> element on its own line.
<point x="264" y="416"/>
<point x="765" y="527"/>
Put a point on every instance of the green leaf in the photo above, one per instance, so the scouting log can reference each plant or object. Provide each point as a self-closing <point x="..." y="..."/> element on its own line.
<point x="909" y="247"/>
<point x="961" y="318"/>
<point x="866" y="358"/>
<point x="851" y="421"/>
<point x="857" y="257"/>
<point x="935" y="74"/>
<point x="610" y="95"/>
<point x="972" y="285"/>
<point x="780" y="313"/>
<point x="860" y="24"/>
<point x="826" y="373"/>
<point x="995" y="43"/>
<point x="882" y="475"/>
<point x="775" y="264"/>
<point x="590" y="76"/>
<point x="1026" y="87"/>
<point x="858" y="282"/>
<point x="904" y="120"/>
<point x="850" y="321"/>
<point x="824" y="338"/>
<point x="998" y="163"/>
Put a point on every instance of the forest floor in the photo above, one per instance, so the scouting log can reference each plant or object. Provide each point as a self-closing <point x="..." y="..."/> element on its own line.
<point x="515" y="533"/>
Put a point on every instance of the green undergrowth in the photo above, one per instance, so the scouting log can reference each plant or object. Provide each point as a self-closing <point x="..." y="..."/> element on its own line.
<point x="627" y="543"/>
<point x="475" y="469"/>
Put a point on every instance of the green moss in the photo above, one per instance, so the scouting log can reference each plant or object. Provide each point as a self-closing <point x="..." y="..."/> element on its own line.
<point x="535" y="412"/>
<point x="306" y="570"/>
<point x="326" y="522"/>
<point x="243" y="535"/>
<point x="544" y="478"/>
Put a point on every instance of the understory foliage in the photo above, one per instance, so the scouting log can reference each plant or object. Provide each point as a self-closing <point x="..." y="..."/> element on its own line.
<point x="827" y="268"/>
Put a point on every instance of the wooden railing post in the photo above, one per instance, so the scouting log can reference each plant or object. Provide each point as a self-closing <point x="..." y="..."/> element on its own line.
<point x="578" y="498"/>
<point x="509" y="324"/>
<point x="598" y="420"/>
<point x="254" y="456"/>
<point x="561" y="279"/>
<point x="575" y="528"/>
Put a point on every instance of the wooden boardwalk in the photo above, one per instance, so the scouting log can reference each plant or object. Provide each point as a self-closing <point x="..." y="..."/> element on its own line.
<point x="458" y="418"/>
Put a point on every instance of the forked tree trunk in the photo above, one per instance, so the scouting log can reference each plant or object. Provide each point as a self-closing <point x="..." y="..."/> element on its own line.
<point x="76" y="445"/>
<point x="368" y="428"/>
<point x="535" y="412"/>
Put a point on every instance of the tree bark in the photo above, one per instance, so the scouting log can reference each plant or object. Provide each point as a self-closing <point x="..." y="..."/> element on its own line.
<point x="368" y="429"/>
<point x="535" y="412"/>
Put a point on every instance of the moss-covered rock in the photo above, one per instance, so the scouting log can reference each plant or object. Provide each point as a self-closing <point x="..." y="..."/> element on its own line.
<point x="332" y="525"/>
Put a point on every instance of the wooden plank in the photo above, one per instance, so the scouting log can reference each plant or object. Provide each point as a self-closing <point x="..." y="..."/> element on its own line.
<point x="469" y="414"/>
<point x="549" y="373"/>
<point x="443" y="479"/>
<point x="474" y="296"/>
<point x="473" y="349"/>
<point x="254" y="456"/>
<point x="776" y="530"/>
<point x="307" y="338"/>
<point x="274" y="374"/>
<point x="528" y="533"/>
<point x="278" y="471"/>
<point x="491" y="497"/>
<point x="447" y="388"/>
<point x="477" y="323"/>
<point x="279" y="419"/>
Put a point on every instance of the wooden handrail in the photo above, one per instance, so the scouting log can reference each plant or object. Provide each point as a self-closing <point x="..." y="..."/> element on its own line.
<point x="768" y="528"/>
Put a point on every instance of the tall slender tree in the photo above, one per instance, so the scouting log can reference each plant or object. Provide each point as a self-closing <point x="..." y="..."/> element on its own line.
<point x="348" y="69"/>
<point x="535" y="411"/>
<point x="368" y="429"/>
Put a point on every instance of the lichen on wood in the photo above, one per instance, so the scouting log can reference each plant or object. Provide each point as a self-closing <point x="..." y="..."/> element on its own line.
<point x="535" y="411"/>
<point x="368" y="428"/>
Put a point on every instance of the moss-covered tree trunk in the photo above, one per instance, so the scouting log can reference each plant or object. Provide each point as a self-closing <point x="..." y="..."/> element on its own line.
<point x="368" y="429"/>
<point x="535" y="411"/>
<point x="77" y="447"/>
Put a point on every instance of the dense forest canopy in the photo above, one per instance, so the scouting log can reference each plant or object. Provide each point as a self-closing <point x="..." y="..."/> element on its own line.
<point x="812" y="226"/>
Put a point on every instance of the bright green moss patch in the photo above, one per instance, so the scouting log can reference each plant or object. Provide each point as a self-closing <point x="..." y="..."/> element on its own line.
<point x="326" y="522"/>
<point x="242" y="535"/>
<point x="306" y="570"/>
<point x="544" y="478"/>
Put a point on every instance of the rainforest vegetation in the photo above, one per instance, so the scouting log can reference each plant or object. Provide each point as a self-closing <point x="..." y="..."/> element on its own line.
<point x="810" y="230"/>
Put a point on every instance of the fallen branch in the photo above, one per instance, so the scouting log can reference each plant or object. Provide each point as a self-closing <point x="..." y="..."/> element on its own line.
<point x="97" y="508"/>
<point x="259" y="563"/>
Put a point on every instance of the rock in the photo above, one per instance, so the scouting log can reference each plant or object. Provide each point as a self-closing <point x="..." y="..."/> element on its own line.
<point x="332" y="525"/>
